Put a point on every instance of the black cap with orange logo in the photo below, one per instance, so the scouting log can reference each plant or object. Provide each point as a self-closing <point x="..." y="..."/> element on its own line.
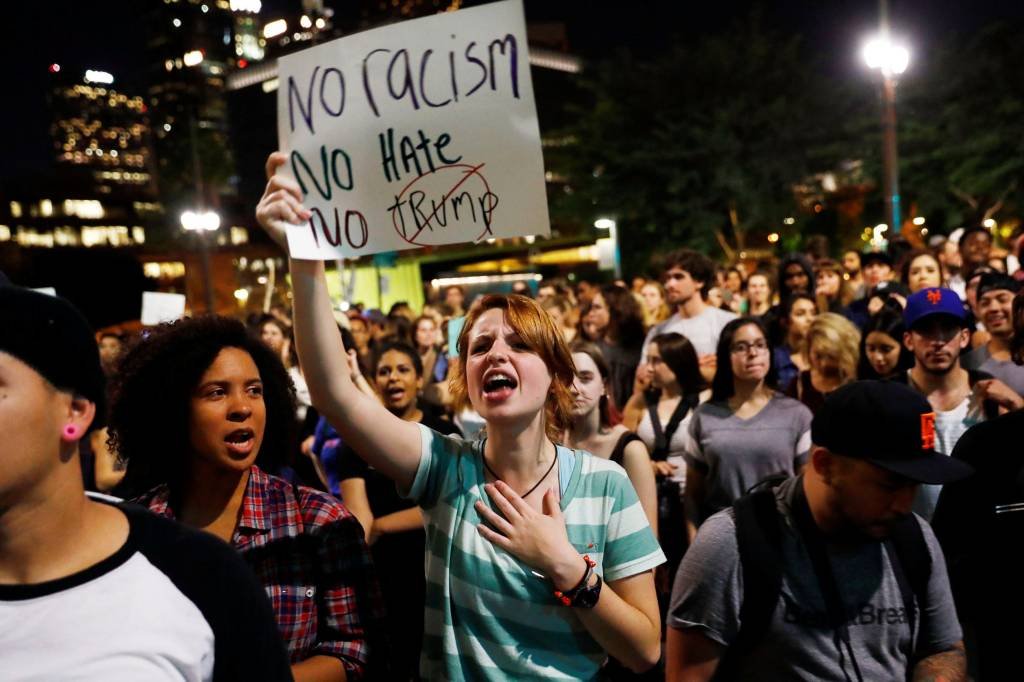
<point x="889" y="425"/>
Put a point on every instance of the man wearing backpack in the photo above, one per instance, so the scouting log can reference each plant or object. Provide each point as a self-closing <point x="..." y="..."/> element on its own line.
<point x="827" y="575"/>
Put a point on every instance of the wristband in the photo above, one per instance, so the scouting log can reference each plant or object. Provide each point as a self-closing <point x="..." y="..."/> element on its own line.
<point x="567" y="597"/>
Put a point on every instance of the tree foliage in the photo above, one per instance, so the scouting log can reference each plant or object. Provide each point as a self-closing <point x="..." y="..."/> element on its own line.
<point x="704" y="145"/>
<point x="699" y="147"/>
<point x="962" y="127"/>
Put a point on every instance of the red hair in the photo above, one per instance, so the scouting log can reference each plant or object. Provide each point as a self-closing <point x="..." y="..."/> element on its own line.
<point x="537" y="330"/>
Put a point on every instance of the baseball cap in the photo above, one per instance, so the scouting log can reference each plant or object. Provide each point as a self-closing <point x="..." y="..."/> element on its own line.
<point x="52" y="337"/>
<point x="933" y="301"/>
<point x="888" y="424"/>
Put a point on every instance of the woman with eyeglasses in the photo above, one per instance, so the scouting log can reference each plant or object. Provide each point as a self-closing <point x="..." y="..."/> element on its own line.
<point x="747" y="431"/>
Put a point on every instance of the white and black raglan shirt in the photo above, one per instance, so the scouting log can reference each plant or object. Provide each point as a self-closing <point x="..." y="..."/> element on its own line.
<point x="171" y="604"/>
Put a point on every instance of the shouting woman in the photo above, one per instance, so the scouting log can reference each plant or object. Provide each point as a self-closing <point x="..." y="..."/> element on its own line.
<point x="539" y="558"/>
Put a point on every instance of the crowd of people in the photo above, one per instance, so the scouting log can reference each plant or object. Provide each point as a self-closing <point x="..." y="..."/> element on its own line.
<point x="707" y="473"/>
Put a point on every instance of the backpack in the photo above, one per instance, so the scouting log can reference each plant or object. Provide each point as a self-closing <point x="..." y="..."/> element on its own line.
<point x="759" y="528"/>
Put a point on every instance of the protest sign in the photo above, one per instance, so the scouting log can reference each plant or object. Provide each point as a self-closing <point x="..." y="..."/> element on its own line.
<point x="159" y="307"/>
<point x="416" y="134"/>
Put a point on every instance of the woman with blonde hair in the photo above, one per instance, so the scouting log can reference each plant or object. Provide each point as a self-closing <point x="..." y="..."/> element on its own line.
<point x="832" y="349"/>
<point x="539" y="559"/>
<point x="652" y="300"/>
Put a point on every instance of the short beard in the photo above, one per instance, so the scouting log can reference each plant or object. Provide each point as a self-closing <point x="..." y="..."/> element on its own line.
<point x="939" y="371"/>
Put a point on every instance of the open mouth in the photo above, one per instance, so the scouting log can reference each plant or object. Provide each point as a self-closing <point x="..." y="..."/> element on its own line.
<point x="241" y="442"/>
<point x="498" y="386"/>
<point x="394" y="394"/>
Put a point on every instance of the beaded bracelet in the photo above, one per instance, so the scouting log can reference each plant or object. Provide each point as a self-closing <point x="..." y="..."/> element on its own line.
<point x="567" y="597"/>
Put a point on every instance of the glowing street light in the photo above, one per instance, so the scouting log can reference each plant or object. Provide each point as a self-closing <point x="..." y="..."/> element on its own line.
<point x="199" y="223"/>
<point x="891" y="59"/>
<point x="888" y="57"/>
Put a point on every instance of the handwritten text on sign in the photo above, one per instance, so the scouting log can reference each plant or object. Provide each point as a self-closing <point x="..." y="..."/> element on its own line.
<point x="417" y="134"/>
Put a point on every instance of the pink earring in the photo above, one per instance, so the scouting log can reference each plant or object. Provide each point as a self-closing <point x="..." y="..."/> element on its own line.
<point x="70" y="432"/>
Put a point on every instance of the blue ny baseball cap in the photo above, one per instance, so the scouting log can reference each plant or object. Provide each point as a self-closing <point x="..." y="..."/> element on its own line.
<point x="933" y="301"/>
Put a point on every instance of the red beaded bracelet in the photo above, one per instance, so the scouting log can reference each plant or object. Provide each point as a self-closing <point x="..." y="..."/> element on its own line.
<point x="567" y="597"/>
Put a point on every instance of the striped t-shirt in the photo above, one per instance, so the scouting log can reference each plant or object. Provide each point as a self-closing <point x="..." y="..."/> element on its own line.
<point x="487" y="616"/>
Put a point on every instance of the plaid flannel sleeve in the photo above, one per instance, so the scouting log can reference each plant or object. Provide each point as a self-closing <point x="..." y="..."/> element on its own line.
<point x="351" y="607"/>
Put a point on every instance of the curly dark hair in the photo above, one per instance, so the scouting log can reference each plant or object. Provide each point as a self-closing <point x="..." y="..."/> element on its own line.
<point x="151" y="391"/>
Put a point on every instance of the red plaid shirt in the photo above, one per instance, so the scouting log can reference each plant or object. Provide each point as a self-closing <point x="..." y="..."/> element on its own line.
<point x="312" y="559"/>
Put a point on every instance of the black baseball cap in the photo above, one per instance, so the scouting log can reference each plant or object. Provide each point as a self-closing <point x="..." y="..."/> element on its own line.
<point x="52" y="337"/>
<point x="888" y="424"/>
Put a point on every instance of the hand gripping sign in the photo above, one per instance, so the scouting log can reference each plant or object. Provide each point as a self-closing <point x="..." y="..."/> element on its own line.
<point x="416" y="134"/>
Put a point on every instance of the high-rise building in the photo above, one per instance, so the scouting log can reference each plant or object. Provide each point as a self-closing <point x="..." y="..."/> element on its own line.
<point x="101" y="136"/>
<point x="190" y="45"/>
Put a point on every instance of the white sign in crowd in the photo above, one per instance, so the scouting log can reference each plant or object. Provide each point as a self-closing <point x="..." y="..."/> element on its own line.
<point x="416" y="134"/>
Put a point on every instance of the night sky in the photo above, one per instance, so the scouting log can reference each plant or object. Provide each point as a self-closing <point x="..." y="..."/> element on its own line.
<point x="103" y="35"/>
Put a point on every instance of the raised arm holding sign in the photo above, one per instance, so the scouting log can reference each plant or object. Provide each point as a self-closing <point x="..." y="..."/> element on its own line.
<point x="416" y="134"/>
<point x="529" y="573"/>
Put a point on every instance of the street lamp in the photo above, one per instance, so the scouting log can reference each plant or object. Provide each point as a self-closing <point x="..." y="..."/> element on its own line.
<point x="613" y="234"/>
<point x="892" y="60"/>
<point x="199" y="223"/>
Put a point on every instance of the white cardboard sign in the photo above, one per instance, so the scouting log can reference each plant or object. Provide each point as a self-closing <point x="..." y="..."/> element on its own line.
<point x="415" y="134"/>
<point x="160" y="307"/>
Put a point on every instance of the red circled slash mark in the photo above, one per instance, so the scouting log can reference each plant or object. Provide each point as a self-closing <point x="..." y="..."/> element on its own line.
<point x="471" y="171"/>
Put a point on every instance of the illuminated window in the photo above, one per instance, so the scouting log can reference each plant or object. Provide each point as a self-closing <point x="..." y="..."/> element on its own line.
<point x="15" y="209"/>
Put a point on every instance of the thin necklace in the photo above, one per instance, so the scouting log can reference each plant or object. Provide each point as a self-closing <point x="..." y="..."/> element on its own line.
<point x="535" y="485"/>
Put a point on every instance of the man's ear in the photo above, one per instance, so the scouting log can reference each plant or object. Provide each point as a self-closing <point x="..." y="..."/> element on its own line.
<point x="823" y="463"/>
<point x="907" y="341"/>
<point x="965" y="338"/>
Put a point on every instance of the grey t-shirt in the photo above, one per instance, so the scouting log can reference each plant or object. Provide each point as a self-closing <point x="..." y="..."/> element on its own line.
<point x="708" y="594"/>
<point x="735" y="454"/>
<point x="1007" y="371"/>
<point x="701" y="330"/>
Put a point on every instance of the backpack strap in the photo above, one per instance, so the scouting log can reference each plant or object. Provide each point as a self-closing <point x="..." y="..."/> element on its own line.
<point x="663" y="436"/>
<point x="912" y="565"/>
<point x="758" y="540"/>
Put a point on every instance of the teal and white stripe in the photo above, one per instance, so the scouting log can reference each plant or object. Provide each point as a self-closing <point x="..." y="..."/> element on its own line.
<point x="487" y="615"/>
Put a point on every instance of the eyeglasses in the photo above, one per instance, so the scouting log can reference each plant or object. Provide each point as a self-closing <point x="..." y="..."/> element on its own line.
<point x="742" y="348"/>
